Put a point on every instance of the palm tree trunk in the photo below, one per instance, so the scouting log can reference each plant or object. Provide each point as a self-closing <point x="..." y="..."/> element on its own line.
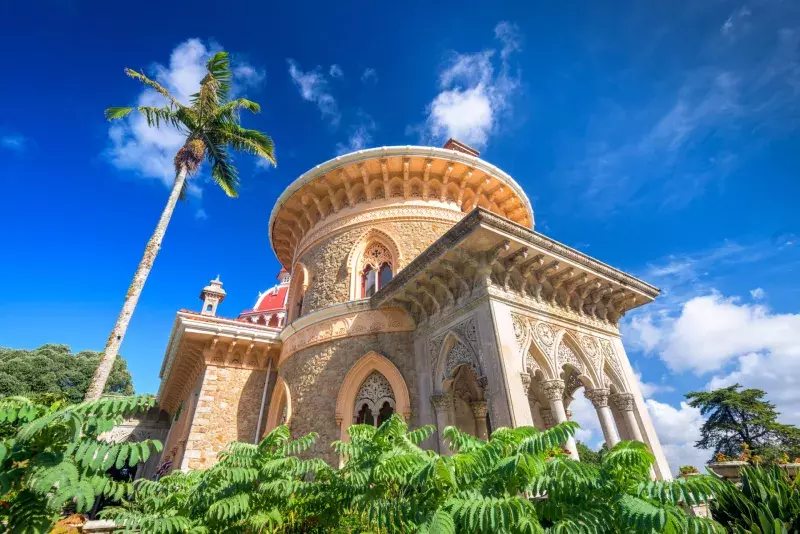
<point x="98" y="383"/>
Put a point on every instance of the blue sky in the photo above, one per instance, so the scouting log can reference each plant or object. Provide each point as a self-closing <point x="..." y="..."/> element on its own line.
<point x="659" y="137"/>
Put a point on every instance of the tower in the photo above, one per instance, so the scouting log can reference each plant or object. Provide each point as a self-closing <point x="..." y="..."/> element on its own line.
<point x="212" y="295"/>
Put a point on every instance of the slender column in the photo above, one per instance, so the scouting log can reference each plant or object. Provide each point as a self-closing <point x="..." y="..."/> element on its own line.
<point x="599" y="398"/>
<point x="625" y="404"/>
<point x="443" y="406"/>
<point x="479" y="411"/>
<point x="554" y="391"/>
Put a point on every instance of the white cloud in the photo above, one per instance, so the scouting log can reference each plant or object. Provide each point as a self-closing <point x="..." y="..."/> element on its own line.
<point x="360" y="135"/>
<point x="13" y="142"/>
<point x="758" y="293"/>
<point x="712" y="330"/>
<point x="736" y="22"/>
<point x="200" y="214"/>
<point x="473" y="95"/>
<point x="314" y="88"/>
<point x="336" y="71"/>
<point x="369" y="75"/>
<point x="149" y="152"/>
<point x="648" y="389"/>
<point x="678" y="430"/>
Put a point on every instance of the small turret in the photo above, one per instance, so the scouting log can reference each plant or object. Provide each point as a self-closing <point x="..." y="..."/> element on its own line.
<point x="212" y="295"/>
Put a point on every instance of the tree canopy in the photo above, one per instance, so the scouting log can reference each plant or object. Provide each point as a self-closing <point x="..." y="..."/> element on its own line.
<point x="54" y="369"/>
<point x="738" y="417"/>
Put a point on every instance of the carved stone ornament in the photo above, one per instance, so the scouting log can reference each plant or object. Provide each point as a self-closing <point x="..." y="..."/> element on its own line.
<point x="374" y="388"/>
<point x="544" y="333"/>
<point x="526" y="382"/>
<point x="547" y="417"/>
<point x="623" y="401"/>
<point x="520" y="325"/>
<point x="479" y="409"/>
<point x="598" y="397"/>
<point x="374" y="256"/>
<point x="442" y="403"/>
<point x="458" y="355"/>
<point x="553" y="389"/>
<point x="567" y="356"/>
<point x="589" y="346"/>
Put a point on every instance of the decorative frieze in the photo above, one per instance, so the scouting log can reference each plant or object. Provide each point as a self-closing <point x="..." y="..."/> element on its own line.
<point x="347" y="325"/>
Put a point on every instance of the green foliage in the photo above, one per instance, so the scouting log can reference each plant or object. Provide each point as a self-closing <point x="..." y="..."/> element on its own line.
<point x="588" y="456"/>
<point x="210" y="123"/>
<point x="54" y="369"/>
<point x="56" y="457"/>
<point x="388" y="484"/>
<point x="737" y="417"/>
<point x="768" y="502"/>
<point x="252" y="488"/>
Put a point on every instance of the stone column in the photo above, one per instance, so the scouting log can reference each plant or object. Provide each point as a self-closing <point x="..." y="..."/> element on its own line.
<point x="444" y="408"/>
<point x="599" y="398"/>
<point x="554" y="391"/>
<point x="479" y="410"/>
<point x="625" y="404"/>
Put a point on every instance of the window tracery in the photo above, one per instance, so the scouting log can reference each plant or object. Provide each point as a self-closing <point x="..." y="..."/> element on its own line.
<point x="375" y="401"/>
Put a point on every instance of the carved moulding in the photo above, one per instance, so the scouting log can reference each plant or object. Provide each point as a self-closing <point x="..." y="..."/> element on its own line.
<point x="545" y="307"/>
<point x="349" y="325"/>
<point x="376" y="215"/>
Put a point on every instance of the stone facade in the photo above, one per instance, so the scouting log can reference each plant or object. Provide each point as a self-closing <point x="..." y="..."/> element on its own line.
<point x="315" y="376"/>
<point x="483" y="323"/>
<point x="327" y="260"/>
<point x="227" y="410"/>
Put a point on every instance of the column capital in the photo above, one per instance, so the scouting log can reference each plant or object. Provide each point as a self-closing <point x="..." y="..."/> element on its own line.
<point x="553" y="389"/>
<point x="526" y="382"/>
<point x="479" y="408"/>
<point x="442" y="403"/>
<point x="598" y="396"/>
<point x="623" y="401"/>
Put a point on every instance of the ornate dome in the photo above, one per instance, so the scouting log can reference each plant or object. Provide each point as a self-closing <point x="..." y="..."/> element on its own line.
<point x="440" y="178"/>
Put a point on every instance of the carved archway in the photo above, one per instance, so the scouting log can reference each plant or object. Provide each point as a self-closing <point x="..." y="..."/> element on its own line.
<point x="569" y="352"/>
<point x="280" y="406"/>
<point x="454" y="351"/>
<point x="358" y="373"/>
<point x="356" y="258"/>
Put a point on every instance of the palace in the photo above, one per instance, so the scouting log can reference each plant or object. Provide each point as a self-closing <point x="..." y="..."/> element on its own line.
<point x="419" y="287"/>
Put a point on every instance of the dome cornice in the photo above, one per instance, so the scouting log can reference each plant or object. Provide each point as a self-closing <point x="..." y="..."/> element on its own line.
<point x="399" y="173"/>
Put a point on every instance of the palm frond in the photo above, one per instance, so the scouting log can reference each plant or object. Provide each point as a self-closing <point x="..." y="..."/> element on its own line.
<point x="160" y="89"/>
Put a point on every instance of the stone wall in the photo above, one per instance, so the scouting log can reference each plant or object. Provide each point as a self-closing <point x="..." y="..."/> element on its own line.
<point x="315" y="375"/>
<point x="227" y="410"/>
<point x="327" y="261"/>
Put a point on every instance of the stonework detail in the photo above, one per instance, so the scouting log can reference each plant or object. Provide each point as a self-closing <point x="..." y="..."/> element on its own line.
<point x="458" y="355"/>
<point x="442" y="403"/>
<point x="567" y="356"/>
<point x="623" y="401"/>
<point x="479" y="408"/>
<point x="353" y="324"/>
<point x="553" y="389"/>
<point x="315" y="375"/>
<point x="544" y="334"/>
<point x="598" y="397"/>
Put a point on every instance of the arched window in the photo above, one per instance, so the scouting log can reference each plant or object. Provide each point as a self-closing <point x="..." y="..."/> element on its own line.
<point x="376" y="269"/>
<point x="375" y="400"/>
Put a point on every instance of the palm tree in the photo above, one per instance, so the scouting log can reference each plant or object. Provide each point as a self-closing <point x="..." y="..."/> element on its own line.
<point x="211" y="125"/>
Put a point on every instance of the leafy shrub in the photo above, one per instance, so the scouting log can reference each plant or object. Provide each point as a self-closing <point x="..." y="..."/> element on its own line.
<point x="56" y="458"/>
<point x="768" y="502"/>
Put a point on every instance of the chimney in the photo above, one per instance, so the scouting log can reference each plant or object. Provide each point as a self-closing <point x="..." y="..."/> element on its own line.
<point x="452" y="144"/>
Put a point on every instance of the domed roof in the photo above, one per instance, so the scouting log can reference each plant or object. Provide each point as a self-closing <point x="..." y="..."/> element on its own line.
<point x="272" y="299"/>
<point x="452" y="178"/>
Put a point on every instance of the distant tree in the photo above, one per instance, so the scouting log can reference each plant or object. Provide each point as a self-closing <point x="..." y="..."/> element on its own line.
<point x="210" y="126"/>
<point x="589" y="456"/>
<point x="741" y="416"/>
<point x="54" y="369"/>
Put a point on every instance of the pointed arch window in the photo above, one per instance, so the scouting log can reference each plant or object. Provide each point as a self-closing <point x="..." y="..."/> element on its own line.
<point x="376" y="269"/>
<point x="375" y="401"/>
